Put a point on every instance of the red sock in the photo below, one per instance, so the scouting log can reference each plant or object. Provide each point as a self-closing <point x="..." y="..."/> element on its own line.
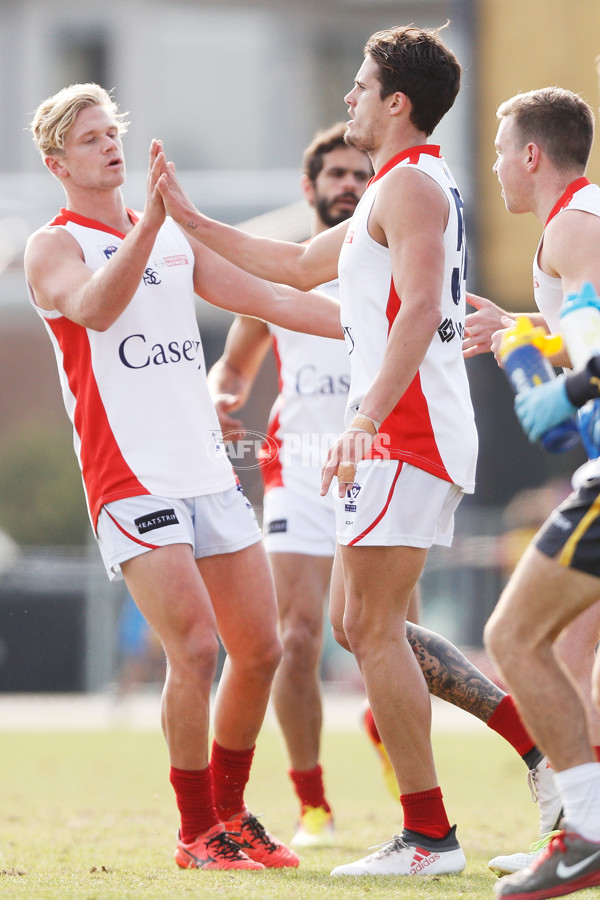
<point x="424" y="812"/>
<point x="309" y="787"/>
<point x="597" y="752"/>
<point x="194" y="795"/>
<point x="230" y="773"/>
<point x="371" y="727"/>
<point x="507" y="722"/>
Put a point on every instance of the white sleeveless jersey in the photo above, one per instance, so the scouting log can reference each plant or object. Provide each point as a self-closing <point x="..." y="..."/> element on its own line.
<point x="136" y="394"/>
<point x="547" y="290"/>
<point x="308" y="414"/>
<point x="432" y="426"/>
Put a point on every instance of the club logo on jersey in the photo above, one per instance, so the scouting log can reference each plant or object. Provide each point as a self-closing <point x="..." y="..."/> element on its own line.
<point x="277" y="526"/>
<point x="151" y="277"/>
<point x="159" y="519"/>
<point x="110" y="250"/>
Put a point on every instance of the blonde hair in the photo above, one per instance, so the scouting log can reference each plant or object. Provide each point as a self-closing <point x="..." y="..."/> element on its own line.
<point x="55" y="116"/>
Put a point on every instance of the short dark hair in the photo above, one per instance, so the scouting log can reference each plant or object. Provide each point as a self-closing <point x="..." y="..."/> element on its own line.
<point x="323" y="142"/>
<point x="561" y="122"/>
<point x="416" y="62"/>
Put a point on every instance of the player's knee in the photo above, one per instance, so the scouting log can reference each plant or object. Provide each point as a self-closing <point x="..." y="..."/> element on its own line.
<point x="257" y="661"/>
<point x="340" y="637"/>
<point x="193" y="658"/>
<point x="493" y="636"/>
<point x="301" y="640"/>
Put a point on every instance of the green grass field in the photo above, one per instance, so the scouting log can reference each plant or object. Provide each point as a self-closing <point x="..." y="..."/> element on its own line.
<point x="92" y="816"/>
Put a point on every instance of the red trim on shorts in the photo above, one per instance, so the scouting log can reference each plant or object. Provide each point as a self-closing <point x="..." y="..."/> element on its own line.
<point x="131" y="537"/>
<point x="383" y="511"/>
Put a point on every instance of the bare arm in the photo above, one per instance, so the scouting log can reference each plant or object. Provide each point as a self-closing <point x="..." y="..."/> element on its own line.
<point x="570" y="249"/>
<point x="303" y="266"/>
<point x="231" y="378"/>
<point x="228" y="287"/>
<point x="61" y="280"/>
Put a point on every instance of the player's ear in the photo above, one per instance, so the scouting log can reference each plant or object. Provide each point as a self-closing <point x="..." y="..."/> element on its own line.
<point x="398" y="103"/>
<point x="308" y="189"/>
<point x="532" y="155"/>
<point x="55" y="165"/>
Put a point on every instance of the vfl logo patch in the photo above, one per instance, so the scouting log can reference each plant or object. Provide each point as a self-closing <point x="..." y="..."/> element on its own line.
<point x="277" y="526"/>
<point x="160" y="519"/>
<point x="353" y="491"/>
<point x="109" y="251"/>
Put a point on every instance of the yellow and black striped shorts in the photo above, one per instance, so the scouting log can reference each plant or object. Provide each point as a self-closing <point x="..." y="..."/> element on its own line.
<point x="571" y="533"/>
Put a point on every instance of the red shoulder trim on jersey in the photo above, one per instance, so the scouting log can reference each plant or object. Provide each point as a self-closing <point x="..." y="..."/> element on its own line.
<point x="566" y="198"/>
<point x="411" y="154"/>
<point x="67" y="215"/>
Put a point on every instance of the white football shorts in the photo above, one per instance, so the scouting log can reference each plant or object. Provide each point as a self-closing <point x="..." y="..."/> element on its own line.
<point x="392" y="503"/>
<point x="212" y="523"/>
<point x="296" y="519"/>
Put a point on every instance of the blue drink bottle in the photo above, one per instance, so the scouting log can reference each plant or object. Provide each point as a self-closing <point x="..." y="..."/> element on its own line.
<point x="526" y="366"/>
<point x="580" y="327"/>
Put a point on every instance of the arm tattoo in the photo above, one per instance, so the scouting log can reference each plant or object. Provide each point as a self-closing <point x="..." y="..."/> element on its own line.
<point x="450" y="675"/>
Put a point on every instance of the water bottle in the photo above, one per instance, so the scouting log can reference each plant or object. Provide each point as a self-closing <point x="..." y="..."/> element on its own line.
<point x="580" y="327"/>
<point x="526" y="366"/>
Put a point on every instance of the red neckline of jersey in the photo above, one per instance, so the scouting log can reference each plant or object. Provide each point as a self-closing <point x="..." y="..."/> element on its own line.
<point x="411" y="153"/>
<point x="70" y="216"/>
<point x="566" y="198"/>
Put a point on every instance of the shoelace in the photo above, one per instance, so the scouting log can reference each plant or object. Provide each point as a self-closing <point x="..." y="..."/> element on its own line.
<point x="223" y="845"/>
<point x="532" y="776"/>
<point x="396" y="843"/>
<point x="557" y="840"/>
<point x="543" y="841"/>
<point x="259" y="832"/>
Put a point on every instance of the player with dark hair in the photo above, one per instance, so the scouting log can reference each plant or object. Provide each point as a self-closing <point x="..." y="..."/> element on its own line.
<point x="409" y="449"/>
<point x="298" y="524"/>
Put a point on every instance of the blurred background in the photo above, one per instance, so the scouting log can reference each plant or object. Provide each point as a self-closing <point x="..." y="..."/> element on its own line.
<point x="236" y="91"/>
